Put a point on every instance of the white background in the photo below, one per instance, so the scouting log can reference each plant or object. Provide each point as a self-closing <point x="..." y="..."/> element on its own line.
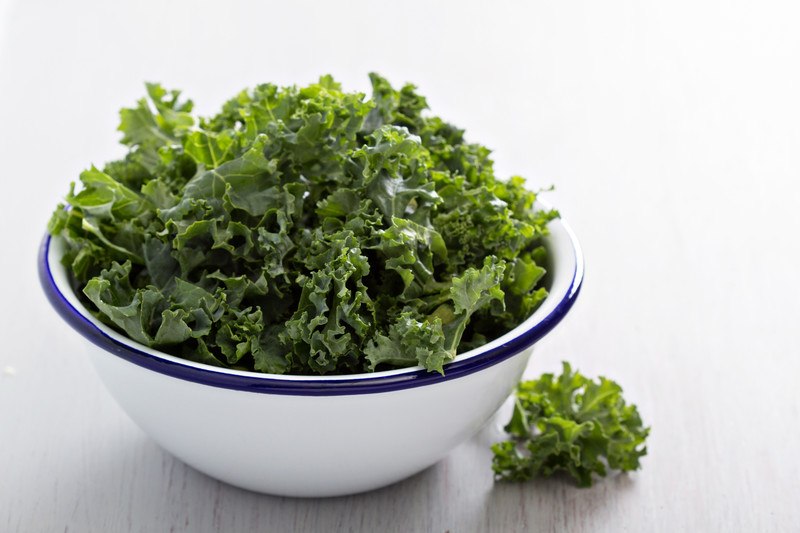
<point x="671" y="131"/>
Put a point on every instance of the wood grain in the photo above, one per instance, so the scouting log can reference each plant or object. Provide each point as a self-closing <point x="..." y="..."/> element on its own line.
<point x="670" y="131"/>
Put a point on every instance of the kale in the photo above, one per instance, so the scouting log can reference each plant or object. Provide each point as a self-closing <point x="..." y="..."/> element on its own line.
<point x="570" y="424"/>
<point x="305" y="231"/>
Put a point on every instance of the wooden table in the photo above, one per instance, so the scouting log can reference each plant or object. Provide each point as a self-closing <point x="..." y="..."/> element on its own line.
<point x="670" y="131"/>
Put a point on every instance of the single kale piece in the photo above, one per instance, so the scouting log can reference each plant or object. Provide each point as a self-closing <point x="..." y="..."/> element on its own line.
<point x="572" y="424"/>
<point x="305" y="231"/>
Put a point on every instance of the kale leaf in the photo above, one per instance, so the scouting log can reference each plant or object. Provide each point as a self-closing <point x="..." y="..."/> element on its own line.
<point x="303" y="230"/>
<point x="572" y="424"/>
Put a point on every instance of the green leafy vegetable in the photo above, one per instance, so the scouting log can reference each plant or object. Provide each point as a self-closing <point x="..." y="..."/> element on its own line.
<point x="573" y="424"/>
<point x="303" y="230"/>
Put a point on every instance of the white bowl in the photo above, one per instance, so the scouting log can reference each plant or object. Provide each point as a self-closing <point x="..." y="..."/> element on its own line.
<point x="313" y="435"/>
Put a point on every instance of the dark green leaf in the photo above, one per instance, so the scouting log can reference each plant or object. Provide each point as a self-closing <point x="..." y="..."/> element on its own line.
<point x="570" y="424"/>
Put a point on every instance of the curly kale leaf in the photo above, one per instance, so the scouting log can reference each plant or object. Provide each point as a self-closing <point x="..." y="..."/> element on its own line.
<point x="570" y="424"/>
<point x="410" y="341"/>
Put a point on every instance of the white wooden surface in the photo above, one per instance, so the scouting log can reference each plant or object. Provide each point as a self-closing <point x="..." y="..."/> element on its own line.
<point x="671" y="131"/>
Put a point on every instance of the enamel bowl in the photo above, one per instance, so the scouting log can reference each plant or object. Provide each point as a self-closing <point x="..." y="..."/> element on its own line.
<point x="313" y="435"/>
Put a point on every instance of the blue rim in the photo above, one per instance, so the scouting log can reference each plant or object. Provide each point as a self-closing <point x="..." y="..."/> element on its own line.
<point x="260" y="384"/>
